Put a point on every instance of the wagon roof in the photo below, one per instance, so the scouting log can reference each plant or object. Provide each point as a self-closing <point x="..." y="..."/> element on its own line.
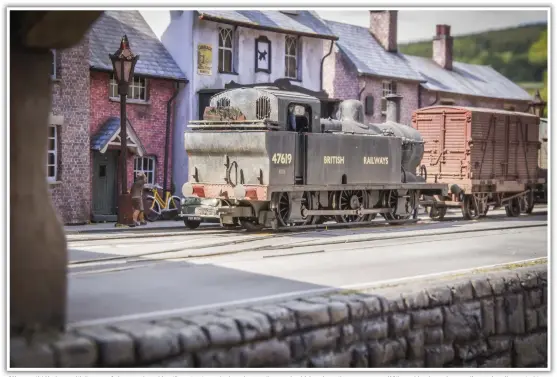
<point x="432" y="109"/>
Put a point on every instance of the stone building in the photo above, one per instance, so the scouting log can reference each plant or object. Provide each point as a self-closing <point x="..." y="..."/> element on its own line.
<point x="217" y="49"/>
<point x="85" y="174"/>
<point x="367" y="65"/>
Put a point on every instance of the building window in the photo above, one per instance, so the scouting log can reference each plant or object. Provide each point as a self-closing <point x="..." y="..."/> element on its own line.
<point x="145" y="165"/>
<point x="52" y="154"/>
<point x="137" y="89"/>
<point x="389" y="87"/>
<point x="53" y="66"/>
<point x="226" y="50"/>
<point x="369" y="105"/>
<point x="291" y="57"/>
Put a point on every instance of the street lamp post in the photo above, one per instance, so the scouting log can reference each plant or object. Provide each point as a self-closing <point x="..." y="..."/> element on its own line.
<point x="538" y="105"/>
<point x="123" y="64"/>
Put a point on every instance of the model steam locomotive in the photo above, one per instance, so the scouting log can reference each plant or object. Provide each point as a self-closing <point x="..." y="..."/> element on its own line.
<point x="264" y="157"/>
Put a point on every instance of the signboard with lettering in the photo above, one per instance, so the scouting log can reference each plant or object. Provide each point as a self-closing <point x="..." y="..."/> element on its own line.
<point x="204" y="59"/>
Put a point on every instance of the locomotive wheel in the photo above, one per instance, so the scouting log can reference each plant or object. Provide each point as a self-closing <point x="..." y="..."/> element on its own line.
<point x="470" y="207"/>
<point x="282" y="207"/>
<point x="307" y="203"/>
<point x="391" y="201"/>
<point x="437" y="213"/>
<point x="512" y="209"/>
<point x="350" y="199"/>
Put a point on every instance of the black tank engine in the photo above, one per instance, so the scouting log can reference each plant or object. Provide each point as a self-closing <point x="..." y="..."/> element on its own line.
<point x="263" y="157"/>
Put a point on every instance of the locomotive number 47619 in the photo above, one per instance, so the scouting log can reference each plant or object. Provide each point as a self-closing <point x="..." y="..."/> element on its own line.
<point x="282" y="158"/>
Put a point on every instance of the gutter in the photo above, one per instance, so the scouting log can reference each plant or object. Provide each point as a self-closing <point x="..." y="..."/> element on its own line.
<point x="323" y="62"/>
<point x="167" y="136"/>
<point x="266" y="28"/>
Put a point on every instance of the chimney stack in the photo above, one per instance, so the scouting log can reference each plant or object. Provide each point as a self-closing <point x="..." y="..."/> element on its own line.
<point x="383" y="26"/>
<point x="393" y="108"/>
<point x="443" y="47"/>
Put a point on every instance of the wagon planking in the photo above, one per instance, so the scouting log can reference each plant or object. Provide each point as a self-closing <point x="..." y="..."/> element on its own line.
<point x="488" y="157"/>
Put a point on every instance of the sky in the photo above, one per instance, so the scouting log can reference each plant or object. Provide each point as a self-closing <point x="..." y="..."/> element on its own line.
<point x="413" y="25"/>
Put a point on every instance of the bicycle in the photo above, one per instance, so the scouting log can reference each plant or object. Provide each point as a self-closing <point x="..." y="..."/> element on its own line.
<point x="157" y="207"/>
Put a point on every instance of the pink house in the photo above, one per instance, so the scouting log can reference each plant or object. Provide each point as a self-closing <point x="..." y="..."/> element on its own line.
<point x="366" y="65"/>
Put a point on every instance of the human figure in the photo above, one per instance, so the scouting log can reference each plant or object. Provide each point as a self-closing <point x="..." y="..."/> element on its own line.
<point x="137" y="199"/>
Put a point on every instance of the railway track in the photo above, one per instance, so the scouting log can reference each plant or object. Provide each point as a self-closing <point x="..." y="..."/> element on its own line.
<point x="217" y="230"/>
<point x="254" y="243"/>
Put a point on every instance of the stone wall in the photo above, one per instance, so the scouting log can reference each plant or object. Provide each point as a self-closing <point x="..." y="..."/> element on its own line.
<point x="490" y="321"/>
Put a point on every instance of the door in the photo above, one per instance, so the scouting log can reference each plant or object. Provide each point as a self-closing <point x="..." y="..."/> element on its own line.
<point x="104" y="185"/>
<point x="205" y="100"/>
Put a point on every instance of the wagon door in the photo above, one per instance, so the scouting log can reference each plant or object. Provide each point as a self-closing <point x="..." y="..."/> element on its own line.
<point x="445" y="150"/>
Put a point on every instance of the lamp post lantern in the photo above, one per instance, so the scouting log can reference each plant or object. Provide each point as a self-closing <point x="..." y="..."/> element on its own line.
<point x="538" y="105"/>
<point x="123" y="64"/>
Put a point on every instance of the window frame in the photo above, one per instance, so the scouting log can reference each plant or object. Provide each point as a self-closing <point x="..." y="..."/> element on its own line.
<point x="143" y="169"/>
<point x="54" y="151"/>
<point x="113" y="88"/>
<point x="230" y="32"/>
<point x="288" y="56"/>
<point x="54" y="64"/>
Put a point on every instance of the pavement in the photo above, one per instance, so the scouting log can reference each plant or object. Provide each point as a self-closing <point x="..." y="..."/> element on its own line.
<point x="116" y="278"/>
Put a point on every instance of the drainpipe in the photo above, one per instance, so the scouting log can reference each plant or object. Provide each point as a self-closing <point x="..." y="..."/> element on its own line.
<point x="436" y="99"/>
<point x="323" y="62"/>
<point x="167" y="141"/>
<point x="361" y="91"/>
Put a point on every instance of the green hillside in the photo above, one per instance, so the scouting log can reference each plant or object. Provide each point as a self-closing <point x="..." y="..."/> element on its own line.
<point x="506" y="50"/>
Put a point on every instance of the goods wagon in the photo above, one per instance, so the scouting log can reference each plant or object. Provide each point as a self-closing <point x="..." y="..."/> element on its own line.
<point x="541" y="189"/>
<point x="488" y="157"/>
<point x="263" y="157"/>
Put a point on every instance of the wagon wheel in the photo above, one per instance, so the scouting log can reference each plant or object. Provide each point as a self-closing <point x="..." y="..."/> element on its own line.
<point x="437" y="213"/>
<point x="483" y="207"/>
<point x="470" y="207"/>
<point x="512" y="209"/>
<point x="527" y="202"/>
<point x="348" y="200"/>
<point x="391" y="201"/>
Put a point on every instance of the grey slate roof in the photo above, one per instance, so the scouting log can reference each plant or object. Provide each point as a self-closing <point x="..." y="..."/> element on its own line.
<point x="467" y="79"/>
<point x="105" y="36"/>
<point x="368" y="56"/>
<point x="306" y="22"/>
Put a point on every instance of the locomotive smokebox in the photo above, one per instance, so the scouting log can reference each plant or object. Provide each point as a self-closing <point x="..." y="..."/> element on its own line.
<point x="393" y="108"/>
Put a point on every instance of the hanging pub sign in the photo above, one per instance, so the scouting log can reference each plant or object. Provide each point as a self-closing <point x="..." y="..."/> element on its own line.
<point x="204" y="59"/>
<point x="262" y="55"/>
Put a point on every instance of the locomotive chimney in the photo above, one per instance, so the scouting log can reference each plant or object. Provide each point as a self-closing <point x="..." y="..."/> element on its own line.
<point x="443" y="47"/>
<point x="393" y="108"/>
